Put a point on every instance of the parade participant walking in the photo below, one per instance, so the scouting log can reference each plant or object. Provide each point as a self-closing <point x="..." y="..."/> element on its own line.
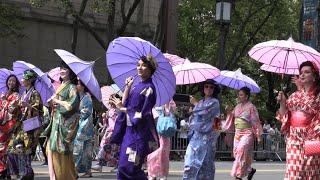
<point x="9" y="113"/>
<point x="136" y="133"/>
<point x="158" y="160"/>
<point x="63" y="127"/>
<point x="300" y="119"/>
<point x="200" y="155"/>
<point x="108" y="153"/>
<point x="83" y="145"/>
<point x="245" y="119"/>
<point x="24" y="142"/>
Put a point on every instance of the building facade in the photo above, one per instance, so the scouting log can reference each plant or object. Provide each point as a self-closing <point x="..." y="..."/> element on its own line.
<point x="49" y="27"/>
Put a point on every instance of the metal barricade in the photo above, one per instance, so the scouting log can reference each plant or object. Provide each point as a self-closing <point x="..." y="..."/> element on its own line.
<point x="272" y="149"/>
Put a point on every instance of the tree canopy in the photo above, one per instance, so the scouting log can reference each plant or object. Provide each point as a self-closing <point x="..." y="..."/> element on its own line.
<point x="252" y="22"/>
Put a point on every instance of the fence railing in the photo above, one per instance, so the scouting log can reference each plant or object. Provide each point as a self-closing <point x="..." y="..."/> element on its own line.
<point x="272" y="146"/>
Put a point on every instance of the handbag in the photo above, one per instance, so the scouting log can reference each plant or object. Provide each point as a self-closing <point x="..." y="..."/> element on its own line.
<point x="311" y="148"/>
<point x="31" y="123"/>
<point x="166" y="125"/>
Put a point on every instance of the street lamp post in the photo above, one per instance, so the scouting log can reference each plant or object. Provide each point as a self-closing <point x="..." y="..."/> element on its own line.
<point x="222" y="18"/>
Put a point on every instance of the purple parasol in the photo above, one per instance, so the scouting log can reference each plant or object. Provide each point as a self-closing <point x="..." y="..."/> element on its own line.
<point x="83" y="69"/>
<point x="43" y="84"/>
<point x="123" y="55"/>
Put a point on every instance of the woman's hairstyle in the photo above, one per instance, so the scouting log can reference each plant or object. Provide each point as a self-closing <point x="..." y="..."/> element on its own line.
<point x="246" y="90"/>
<point x="315" y="71"/>
<point x="216" y="89"/>
<point x="72" y="75"/>
<point x="85" y="87"/>
<point x="150" y="62"/>
<point x="30" y="75"/>
<point x="16" y="88"/>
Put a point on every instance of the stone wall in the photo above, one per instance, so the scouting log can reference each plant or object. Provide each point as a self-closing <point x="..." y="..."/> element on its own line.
<point x="49" y="28"/>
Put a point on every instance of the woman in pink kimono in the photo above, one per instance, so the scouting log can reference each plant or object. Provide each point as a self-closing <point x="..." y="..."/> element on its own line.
<point x="108" y="153"/>
<point x="300" y="119"/>
<point x="158" y="160"/>
<point x="245" y="119"/>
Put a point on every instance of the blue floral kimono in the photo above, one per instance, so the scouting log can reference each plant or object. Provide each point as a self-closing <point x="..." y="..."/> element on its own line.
<point x="200" y="154"/>
<point x="83" y="147"/>
<point x="133" y="130"/>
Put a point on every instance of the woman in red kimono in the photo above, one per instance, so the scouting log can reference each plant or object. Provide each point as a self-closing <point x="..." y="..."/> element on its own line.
<point x="300" y="119"/>
<point x="9" y="111"/>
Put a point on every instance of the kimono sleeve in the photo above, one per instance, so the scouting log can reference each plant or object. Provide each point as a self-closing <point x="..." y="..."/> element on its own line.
<point x="284" y="119"/>
<point x="149" y="102"/>
<point x="255" y="121"/>
<point x="87" y="109"/>
<point x="229" y="124"/>
<point x="13" y="105"/>
<point x="35" y="101"/>
<point x="213" y="107"/>
<point x="70" y="103"/>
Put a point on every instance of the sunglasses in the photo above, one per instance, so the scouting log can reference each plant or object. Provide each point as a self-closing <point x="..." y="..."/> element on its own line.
<point x="207" y="86"/>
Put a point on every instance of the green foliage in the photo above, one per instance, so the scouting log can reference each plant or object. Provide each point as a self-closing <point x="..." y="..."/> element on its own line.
<point x="198" y="37"/>
<point x="10" y="22"/>
<point x="101" y="6"/>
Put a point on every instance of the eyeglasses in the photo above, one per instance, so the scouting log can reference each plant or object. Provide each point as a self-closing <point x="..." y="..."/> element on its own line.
<point x="211" y="87"/>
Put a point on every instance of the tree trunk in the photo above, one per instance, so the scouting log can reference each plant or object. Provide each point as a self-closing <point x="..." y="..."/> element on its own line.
<point x="76" y="27"/>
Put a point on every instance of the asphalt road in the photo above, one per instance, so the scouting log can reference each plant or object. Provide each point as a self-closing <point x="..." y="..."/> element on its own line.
<point x="265" y="171"/>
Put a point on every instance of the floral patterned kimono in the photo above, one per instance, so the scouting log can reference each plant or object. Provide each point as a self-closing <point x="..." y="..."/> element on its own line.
<point x="9" y="114"/>
<point x="134" y="131"/>
<point x="83" y="146"/>
<point x="158" y="160"/>
<point x="19" y="162"/>
<point x="301" y="123"/>
<point x="63" y="128"/>
<point x="200" y="154"/>
<point x="109" y="153"/>
<point x="244" y="137"/>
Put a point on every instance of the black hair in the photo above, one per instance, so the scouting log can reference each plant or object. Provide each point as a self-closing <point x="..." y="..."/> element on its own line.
<point x="246" y="90"/>
<point x="315" y="71"/>
<point x="216" y="89"/>
<point x="85" y="87"/>
<point x="72" y="75"/>
<point x="17" y="142"/>
<point x="16" y="88"/>
<point x="148" y="63"/>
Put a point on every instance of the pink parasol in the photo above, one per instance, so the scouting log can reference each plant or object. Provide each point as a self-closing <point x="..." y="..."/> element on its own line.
<point x="54" y="74"/>
<point x="284" y="54"/>
<point x="194" y="72"/>
<point x="278" y="70"/>
<point x="174" y="60"/>
<point x="107" y="91"/>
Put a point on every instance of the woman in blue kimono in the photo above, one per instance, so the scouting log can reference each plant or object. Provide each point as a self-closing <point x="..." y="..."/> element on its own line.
<point x="200" y="154"/>
<point x="83" y="146"/>
<point x="135" y="125"/>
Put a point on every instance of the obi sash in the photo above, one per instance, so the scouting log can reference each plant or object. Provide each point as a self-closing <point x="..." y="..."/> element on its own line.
<point x="241" y="124"/>
<point x="299" y="119"/>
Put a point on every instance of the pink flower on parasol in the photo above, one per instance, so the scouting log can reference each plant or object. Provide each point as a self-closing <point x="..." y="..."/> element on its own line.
<point x="194" y="72"/>
<point x="174" y="60"/>
<point x="284" y="54"/>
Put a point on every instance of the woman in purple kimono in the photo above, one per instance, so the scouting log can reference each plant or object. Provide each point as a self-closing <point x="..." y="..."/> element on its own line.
<point x="135" y="125"/>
